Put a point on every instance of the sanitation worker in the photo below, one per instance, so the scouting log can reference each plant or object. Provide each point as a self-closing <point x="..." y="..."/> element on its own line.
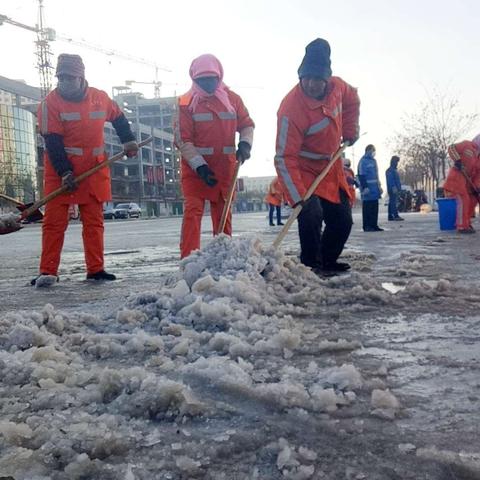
<point x="351" y="180"/>
<point x="463" y="181"/>
<point x="370" y="189"/>
<point x="71" y="120"/>
<point x="274" y="199"/>
<point x="319" y="113"/>
<point x="394" y="187"/>
<point x="210" y="115"/>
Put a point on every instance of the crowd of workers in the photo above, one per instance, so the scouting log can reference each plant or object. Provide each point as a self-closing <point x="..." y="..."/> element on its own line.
<point x="318" y="115"/>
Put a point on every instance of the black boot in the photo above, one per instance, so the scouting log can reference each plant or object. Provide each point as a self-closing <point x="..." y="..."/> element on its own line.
<point x="336" y="266"/>
<point x="101" y="275"/>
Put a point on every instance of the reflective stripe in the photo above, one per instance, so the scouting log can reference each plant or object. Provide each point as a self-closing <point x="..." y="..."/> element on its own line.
<point x="98" y="150"/>
<point x="44" y="126"/>
<point x="227" y="115"/>
<point x="68" y="116"/>
<point x="372" y="181"/>
<point x="314" y="156"/>
<point x="97" y="114"/>
<point x="205" y="150"/>
<point x="280" y="161"/>
<point x="317" y="127"/>
<point x="202" y="117"/>
<point x="80" y="150"/>
<point x="74" y="150"/>
<point x="338" y="109"/>
<point x="228" y="150"/>
<point x="196" y="162"/>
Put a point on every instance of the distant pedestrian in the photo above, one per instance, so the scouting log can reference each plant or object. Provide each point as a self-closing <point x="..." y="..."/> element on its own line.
<point x="394" y="187"/>
<point x="275" y="198"/>
<point x="351" y="180"/>
<point x="371" y="191"/>
<point x="210" y="114"/>
<point x="314" y="118"/>
<point x="463" y="181"/>
<point x="71" y="120"/>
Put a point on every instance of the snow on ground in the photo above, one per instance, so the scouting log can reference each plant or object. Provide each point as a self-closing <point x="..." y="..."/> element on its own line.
<point x="245" y="365"/>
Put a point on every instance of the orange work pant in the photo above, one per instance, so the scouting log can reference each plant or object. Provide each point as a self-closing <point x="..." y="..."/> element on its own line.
<point x="465" y="209"/>
<point x="192" y="222"/>
<point x="54" y="226"/>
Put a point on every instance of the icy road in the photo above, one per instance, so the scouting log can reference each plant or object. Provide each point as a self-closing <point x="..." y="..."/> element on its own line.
<point x="241" y="364"/>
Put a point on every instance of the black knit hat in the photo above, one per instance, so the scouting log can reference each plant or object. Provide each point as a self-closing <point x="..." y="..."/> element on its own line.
<point x="316" y="62"/>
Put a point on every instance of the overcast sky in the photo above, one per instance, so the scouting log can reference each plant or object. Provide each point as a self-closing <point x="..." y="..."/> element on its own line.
<point x="394" y="51"/>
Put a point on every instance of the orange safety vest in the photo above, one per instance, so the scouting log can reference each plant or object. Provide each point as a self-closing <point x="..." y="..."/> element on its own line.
<point x="275" y="193"/>
<point x="211" y="129"/>
<point x="468" y="153"/>
<point x="81" y="126"/>
<point x="309" y="131"/>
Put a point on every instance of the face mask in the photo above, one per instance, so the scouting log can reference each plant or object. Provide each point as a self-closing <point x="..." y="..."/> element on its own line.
<point x="208" y="84"/>
<point x="70" y="87"/>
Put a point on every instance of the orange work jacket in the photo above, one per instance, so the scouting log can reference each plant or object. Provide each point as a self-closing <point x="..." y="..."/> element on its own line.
<point x="309" y="131"/>
<point x="468" y="153"/>
<point x="275" y="193"/>
<point x="211" y="129"/>
<point x="81" y="126"/>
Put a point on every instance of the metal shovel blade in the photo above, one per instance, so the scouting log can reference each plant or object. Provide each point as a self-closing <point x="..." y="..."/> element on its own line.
<point x="9" y="223"/>
<point x="36" y="216"/>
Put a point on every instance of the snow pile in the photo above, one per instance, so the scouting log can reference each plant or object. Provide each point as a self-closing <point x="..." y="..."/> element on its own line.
<point x="237" y="329"/>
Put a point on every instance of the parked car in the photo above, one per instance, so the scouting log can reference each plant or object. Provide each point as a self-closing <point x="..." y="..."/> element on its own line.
<point x="109" y="213"/>
<point x="126" y="210"/>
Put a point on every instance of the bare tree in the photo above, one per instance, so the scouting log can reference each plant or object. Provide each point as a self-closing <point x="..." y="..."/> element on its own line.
<point x="425" y="137"/>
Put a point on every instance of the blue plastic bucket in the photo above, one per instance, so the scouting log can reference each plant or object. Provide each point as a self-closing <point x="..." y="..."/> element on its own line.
<point x="447" y="213"/>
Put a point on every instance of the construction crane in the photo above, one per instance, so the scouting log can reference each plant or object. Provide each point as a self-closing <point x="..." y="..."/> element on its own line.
<point x="115" y="53"/>
<point x="43" y="52"/>
<point x="156" y="86"/>
<point x="44" y="55"/>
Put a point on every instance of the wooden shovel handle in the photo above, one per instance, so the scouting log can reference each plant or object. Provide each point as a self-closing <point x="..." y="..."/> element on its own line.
<point x="229" y="198"/>
<point x="78" y="179"/>
<point x="296" y="211"/>
<point x="10" y="199"/>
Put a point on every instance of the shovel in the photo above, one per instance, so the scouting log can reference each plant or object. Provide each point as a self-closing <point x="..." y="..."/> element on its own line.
<point x="471" y="184"/>
<point x="34" y="217"/>
<point x="296" y="211"/>
<point x="228" y="200"/>
<point x="9" y="226"/>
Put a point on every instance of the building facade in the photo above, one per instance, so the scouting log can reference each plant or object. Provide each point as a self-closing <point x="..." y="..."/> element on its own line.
<point x="18" y="153"/>
<point x="152" y="179"/>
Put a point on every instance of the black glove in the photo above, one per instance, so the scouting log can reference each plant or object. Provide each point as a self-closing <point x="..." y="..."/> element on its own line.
<point x="243" y="151"/>
<point x="458" y="164"/>
<point x="351" y="181"/>
<point x="68" y="179"/>
<point x="207" y="175"/>
<point x="350" y="141"/>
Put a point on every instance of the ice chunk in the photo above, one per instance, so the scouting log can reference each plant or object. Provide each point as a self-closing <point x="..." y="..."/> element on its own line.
<point x="384" y="399"/>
